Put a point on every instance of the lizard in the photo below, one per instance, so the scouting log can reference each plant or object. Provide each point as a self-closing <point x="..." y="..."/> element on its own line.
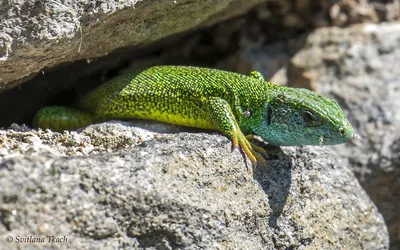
<point x="239" y="106"/>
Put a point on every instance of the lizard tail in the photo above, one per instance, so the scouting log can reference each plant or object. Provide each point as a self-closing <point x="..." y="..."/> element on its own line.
<point x="58" y="118"/>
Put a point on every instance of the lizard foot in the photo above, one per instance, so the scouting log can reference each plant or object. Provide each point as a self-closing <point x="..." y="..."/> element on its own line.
<point x="249" y="149"/>
<point x="254" y="146"/>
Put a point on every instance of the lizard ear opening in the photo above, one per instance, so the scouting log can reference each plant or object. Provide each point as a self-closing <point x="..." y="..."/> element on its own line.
<point x="268" y="114"/>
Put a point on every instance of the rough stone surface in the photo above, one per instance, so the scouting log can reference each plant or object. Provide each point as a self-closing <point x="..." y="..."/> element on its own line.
<point x="359" y="67"/>
<point x="117" y="186"/>
<point x="40" y="34"/>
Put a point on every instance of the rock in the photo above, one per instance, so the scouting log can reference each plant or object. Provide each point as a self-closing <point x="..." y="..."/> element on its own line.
<point x="359" y="67"/>
<point x="117" y="186"/>
<point x="38" y="35"/>
<point x="41" y="34"/>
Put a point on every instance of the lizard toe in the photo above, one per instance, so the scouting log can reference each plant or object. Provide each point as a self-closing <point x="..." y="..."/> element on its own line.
<point x="249" y="149"/>
<point x="254" y="146"/>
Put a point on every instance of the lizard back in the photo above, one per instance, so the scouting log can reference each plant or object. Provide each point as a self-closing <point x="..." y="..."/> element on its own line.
<point x="172" y="94"/>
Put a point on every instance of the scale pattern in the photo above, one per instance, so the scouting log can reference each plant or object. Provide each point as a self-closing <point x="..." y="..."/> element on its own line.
<point x="234" y="104"/>
<point x="173" y="94"/>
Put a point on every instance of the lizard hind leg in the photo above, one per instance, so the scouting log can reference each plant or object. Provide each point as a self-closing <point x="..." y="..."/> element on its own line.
<point x="58" y="118"/>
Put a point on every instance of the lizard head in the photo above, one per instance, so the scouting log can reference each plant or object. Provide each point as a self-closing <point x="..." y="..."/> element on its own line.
<point x="302" y="117"/>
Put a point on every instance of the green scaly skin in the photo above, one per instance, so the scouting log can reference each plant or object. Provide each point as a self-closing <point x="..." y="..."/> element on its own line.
<point x="234" y="104"/>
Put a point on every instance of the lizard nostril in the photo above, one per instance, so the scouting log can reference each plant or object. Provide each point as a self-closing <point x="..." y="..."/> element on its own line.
<point x="342" y="131"/>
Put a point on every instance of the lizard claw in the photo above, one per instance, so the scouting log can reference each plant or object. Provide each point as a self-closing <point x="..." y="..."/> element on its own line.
<point x="235" y="143"/>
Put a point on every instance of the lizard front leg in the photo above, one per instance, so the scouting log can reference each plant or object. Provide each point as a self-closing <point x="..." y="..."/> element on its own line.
<point x="222" y="115"/>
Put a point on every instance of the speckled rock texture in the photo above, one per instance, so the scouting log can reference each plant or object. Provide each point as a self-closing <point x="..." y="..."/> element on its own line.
<point x="117" y="186"/>
<point x="359" y="67"/>
<point x="40" y="34"/>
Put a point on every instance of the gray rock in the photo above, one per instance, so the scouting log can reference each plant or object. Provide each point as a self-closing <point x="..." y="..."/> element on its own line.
<point x="40" y="34"/>
<point x="359" y="67"/>
<point x="117" y="186"/>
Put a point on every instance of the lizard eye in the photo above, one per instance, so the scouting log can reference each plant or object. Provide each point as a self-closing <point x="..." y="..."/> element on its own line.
<point x="308" y="116"/>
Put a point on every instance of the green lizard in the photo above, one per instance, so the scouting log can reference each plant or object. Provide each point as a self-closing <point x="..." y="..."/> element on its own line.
<point x="238" y="106"/>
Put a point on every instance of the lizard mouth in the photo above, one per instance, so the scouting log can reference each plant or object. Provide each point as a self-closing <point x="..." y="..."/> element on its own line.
<point x="343" y="135"/>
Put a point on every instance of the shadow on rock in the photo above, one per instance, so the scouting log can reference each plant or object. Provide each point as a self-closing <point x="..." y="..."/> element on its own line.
<point x="275" y="180"/>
